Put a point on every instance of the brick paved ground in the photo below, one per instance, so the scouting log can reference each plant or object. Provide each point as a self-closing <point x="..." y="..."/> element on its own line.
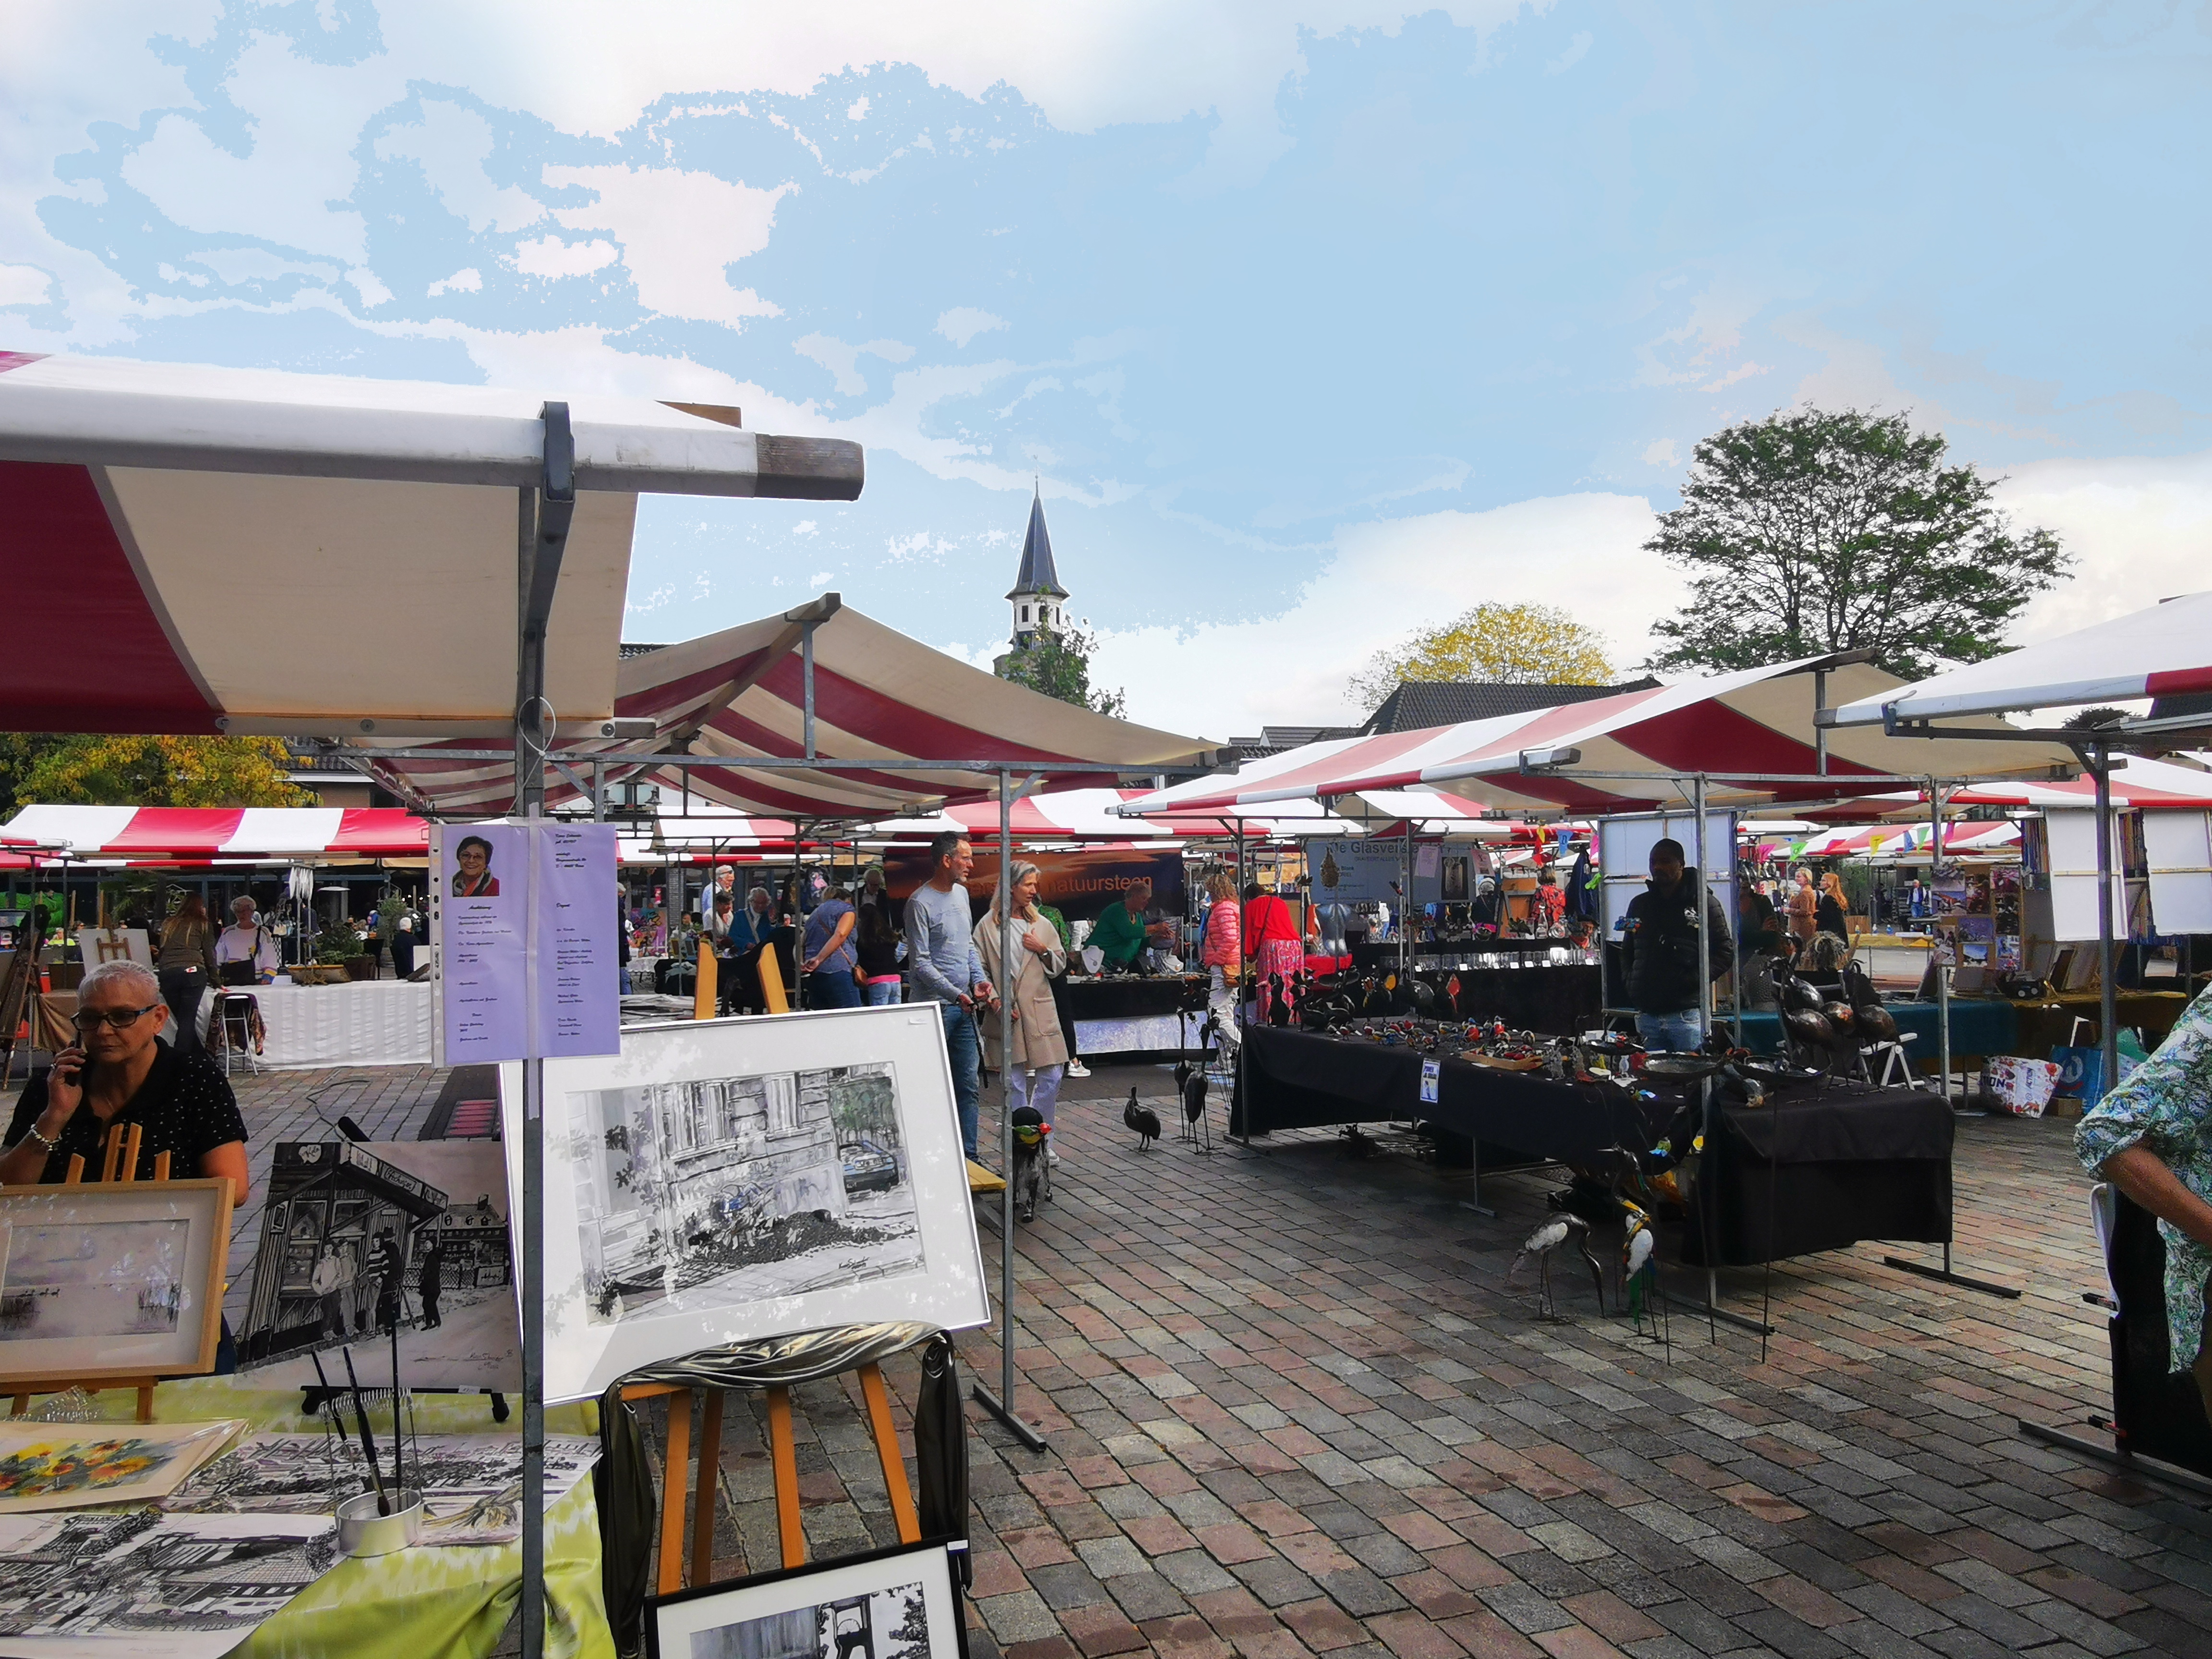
<point x="1294" y="1408"/>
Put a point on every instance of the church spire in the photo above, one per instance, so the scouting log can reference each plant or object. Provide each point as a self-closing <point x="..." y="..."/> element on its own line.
<point x="1037" y="595"/>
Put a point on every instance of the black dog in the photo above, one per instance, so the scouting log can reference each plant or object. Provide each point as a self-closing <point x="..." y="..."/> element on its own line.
<point x="1032" y="1169"/>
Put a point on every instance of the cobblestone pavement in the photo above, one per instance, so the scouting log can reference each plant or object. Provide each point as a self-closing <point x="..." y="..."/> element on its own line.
<point x="1293" y="1407"/>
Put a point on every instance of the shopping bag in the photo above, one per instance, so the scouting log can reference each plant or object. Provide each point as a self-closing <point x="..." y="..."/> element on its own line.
<point x="2081" y="1074"/>
<point x="2020" y="1085"/>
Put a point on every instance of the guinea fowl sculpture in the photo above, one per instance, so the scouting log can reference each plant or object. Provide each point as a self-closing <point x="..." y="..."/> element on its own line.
<point x="1541" y="1245"/>
<point x="1143" y="1119"/>
<point x="1279" y="1007"/>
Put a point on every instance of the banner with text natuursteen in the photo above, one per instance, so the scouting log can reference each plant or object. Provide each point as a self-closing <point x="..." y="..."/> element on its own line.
<point x="524" y="950"/>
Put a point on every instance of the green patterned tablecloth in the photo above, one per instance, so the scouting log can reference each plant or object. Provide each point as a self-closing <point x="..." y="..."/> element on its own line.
<point x="445" y="1602"/>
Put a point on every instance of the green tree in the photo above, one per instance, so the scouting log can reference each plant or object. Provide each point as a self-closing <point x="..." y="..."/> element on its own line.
<point x="1504" y="644"/>
<point x="134" y="769"/>
<point x="1058" y="664"/>
<point x="1813" y="531"/>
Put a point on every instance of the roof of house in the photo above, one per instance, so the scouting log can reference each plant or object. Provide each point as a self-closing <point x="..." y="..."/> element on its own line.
<point x="1037" y="574"/>
<point x="1419" y="704"/>
<point x="1273" y="740"/>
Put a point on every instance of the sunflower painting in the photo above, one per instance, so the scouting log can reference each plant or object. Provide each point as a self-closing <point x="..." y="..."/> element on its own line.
<point x="43" y="1465"/>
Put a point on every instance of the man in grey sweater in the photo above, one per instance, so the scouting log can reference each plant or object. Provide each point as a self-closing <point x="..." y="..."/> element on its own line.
<point x="943" y="966"/>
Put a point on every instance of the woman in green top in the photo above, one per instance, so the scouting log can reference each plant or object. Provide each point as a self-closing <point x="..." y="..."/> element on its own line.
<point x="1120" y="931"/>
<point x="1059" y="983"/>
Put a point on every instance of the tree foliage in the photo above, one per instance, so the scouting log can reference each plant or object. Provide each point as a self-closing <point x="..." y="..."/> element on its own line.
<point x="1812" y="532"/>
<point x="1058" y="664"/>
<point x="137" y="770"/>
<point x="1505" y="644"/>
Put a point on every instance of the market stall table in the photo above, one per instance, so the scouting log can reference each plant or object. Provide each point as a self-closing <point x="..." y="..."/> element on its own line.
<point x="361" y="1022"/>
<point x="2049" y="1022"/>
<point x="1980" y="1026"/>
<point x="444" y="1600"/>
<point x="1136" y="1014"/>
<point x="1861" y="1162"/>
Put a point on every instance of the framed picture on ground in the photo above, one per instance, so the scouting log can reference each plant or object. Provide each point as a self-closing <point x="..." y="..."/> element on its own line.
<point x="720" y="1180"/>
<point x="889" y="1604"/>
<point x="112" y="1281"/>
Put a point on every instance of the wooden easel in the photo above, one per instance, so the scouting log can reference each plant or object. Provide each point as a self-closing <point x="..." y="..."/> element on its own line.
<point x="120" y="1165"/>
<point x="773" y="997"/>
<point x="704" y="994"/>
<point x="783" y="1459"/>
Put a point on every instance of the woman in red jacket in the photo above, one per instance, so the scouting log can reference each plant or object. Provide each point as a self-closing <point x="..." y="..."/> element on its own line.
<point x="1272" y="941"/>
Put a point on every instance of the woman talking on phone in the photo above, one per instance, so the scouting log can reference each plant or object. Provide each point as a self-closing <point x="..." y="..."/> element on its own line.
<point x="117" y="1070"/>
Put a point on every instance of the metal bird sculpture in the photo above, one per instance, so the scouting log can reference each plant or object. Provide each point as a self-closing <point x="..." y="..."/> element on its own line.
<point x="1144" y="1120"/>
<point x="1540" y="1246"/>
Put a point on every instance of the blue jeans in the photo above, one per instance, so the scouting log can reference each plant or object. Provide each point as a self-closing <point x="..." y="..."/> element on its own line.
<point x="1682" y="1031"/>
<point x="883" y="993"/>
<point x="832" y="989"/>
<point x="964" y="1049"/>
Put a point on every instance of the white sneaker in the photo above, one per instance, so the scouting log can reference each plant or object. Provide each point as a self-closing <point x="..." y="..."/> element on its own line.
<point x="1050" y="1156"/>
<point x="1077" y="1068"/>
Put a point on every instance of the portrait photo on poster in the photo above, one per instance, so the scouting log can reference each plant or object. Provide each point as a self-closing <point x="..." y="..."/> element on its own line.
<point x="897" y="1603"/>
<point x="721" y="1181"/>
<point x="360" y="1240"/>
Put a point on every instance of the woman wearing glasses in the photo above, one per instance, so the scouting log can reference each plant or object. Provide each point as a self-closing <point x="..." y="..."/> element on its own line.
<point x="117" y="1071"/>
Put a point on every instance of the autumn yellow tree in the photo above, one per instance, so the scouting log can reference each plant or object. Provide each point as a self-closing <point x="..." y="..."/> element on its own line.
<point x="138" y="771"/>
<point x="1504" y="644"/>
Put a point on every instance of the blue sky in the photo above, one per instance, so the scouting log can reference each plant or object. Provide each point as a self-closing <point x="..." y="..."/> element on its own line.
<point x="1316" y="320"/>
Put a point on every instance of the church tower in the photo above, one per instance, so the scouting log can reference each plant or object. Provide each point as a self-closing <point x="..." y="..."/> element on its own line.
<point x="1038" y="599"/>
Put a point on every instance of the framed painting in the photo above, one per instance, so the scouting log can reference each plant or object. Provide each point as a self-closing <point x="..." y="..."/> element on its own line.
<point x="897" y="1603"/>
<point x="111" y="1280"/>
<point x="721" y="1181"/>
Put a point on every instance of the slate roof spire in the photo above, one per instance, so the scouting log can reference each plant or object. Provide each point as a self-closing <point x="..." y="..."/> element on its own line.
<point x="1037" y="574"/>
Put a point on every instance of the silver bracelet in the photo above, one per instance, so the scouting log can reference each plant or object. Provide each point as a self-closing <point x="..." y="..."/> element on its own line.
<point x="32" y="1133"/>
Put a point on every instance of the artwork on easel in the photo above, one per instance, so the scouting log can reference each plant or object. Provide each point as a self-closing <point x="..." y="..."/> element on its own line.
<point x="897" y="1603"/>
<point x="718" y="1180"/>
<point x="96" y="945"/>
<point x="360" y="1239"/>
<point x="111" y="1280"/>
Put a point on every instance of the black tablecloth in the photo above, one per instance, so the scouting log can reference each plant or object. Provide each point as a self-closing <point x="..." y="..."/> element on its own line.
<point x="1135" y="996"/>
<point x="1817" y="1168"/>
<point x="1289" y="1079"/>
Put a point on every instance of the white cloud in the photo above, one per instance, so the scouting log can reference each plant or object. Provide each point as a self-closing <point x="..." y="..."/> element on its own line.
<point x="964" y="323"/>
<point x="248" y="264"/>
<point x="551" y="257"/>
<point x="1577" y="49"/>
<point x="23" y="285"/>
<point x="2141" y="530"/>
<point x="467" y="280"/>
<point x="843" y="361"/>
<point x="305" y="119"/>
<point x="857" y="110"/>
<point x="822" y="578"/>
<point x="1582" y="553"/>
<point x="1662" y="453"/>
<point x="450" y="145"/>
<point x="679" y="232"/>
<point x="373" y="293"/>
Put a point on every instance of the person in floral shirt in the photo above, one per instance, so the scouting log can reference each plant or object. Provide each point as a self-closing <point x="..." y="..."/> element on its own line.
<point x="2152" y="1138"/>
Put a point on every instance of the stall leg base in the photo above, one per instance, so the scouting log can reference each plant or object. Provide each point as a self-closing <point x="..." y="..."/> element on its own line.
<point x="1022" y="1431"/>
<point x="2147" y="1469"/>
<point x="1944" y="1274"/>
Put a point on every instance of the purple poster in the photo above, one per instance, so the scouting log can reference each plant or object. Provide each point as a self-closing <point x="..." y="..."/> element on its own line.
<point x="577" y="984"/>
<point x="483" y="920"/>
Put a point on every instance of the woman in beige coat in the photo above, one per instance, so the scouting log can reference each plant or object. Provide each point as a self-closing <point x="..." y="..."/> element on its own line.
<point x="1036" y="1052"/>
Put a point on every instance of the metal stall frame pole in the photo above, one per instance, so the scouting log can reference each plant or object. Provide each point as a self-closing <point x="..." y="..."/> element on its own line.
<point x="1707" y="1112"/>
<point x="2108" y="992"/>
<point x="543" y="515"/>
<point x="1942" y="969"/>
<point x="1001" y="1405"/>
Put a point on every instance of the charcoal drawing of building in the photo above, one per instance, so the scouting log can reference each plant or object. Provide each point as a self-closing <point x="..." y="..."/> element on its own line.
<point x="142" y="1571"/>
<point x="339" y="1234"/>
<point x="690" y="1177"/>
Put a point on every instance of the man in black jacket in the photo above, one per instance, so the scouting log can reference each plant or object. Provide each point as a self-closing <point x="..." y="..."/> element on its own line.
<point x="1659" y="952"/>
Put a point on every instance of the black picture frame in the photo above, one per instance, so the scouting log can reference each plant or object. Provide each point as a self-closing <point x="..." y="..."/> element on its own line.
<point x="930" y="1557"/>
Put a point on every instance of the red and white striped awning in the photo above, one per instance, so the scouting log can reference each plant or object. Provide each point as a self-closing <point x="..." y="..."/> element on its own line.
<point x="1731" y="727"/>
<point x="2136" y="782"/>
<point x="879" y="696"/>
<point x="214" y="549"/>
<point x="269" y="833"/>
<point x="2161" y="652"/>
